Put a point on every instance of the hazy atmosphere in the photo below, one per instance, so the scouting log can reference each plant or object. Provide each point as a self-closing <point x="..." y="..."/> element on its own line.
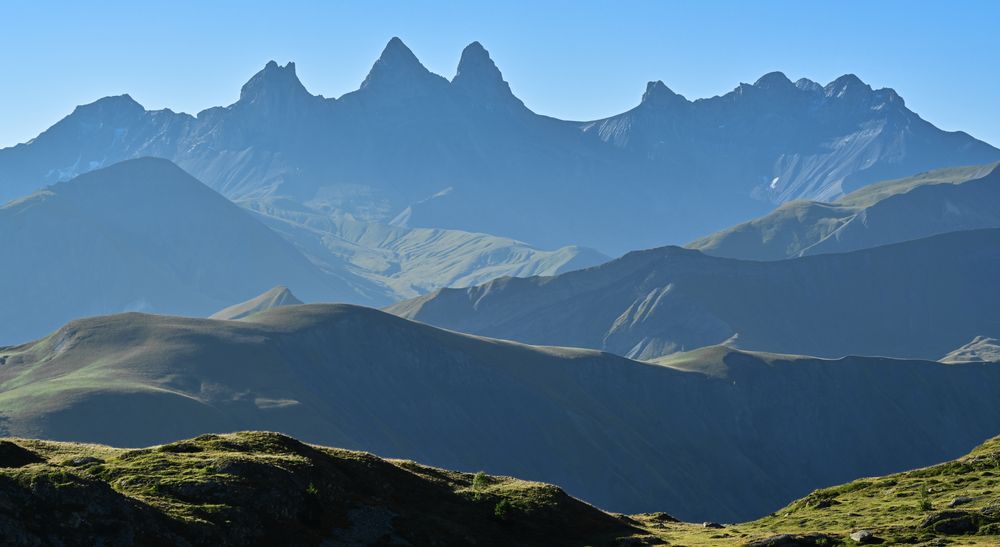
<point x="531" y="274"/>
<point x="572" y="60"/>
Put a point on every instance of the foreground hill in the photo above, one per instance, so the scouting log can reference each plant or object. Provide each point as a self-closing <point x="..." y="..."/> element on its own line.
<point x="424" y="151"/>
<point x="141" y="235"/>
<point x="255" y="488"/>
<point x="918" y="299"/>
<point x="268" y="489"/>
<point x="714" y="434"/>
<point x="936" y="202"/>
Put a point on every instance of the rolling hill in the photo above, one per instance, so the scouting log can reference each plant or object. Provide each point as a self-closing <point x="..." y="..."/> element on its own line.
<point x="936" y="202"/>
<point x="917" y="299"/>
<point x="716" y="434"/>
<point x="414" y="149"/>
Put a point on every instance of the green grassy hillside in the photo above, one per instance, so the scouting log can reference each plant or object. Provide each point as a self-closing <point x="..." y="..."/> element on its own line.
<point x="953" y="503"/>
<point x="935" y="202"/>
<point x="256" y="488"/>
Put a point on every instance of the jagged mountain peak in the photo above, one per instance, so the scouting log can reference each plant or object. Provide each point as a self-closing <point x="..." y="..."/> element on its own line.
<point x="847" y="85"/>
<point x="116" y="103"/>
<point x="271" y="82"/>
<point x="658" y="93"/>
<point x="476" y="67"/>
<point x="397" y="66"/>
<point x="805" y="84"/>
<point x="479" y="76"/>
<point x="774" y="80"/>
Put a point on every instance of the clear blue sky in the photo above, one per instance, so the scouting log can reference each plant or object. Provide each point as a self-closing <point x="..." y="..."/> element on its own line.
<point x="569" y="59"/>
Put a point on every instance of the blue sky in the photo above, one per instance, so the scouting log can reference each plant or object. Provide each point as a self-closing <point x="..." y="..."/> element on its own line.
<point x="569" y="59"/>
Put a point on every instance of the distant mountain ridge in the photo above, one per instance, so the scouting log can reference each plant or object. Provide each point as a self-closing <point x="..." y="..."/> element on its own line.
<point x="466" y="154"/>
<point x="935" y="202"/>
<point x="889" y="300"/>
<point x="716" y="434"/>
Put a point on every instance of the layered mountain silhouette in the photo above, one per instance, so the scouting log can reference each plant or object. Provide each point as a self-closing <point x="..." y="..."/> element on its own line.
<point x="141" y="235"/>
<point x="145" y="235"/>
<point x="717" y="434"/>
<point x="939" y="201"/>
<point x="413" y="148"/>
<point x="917" y="299"/>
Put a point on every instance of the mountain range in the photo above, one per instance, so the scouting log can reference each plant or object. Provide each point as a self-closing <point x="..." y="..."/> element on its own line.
<point x="413" y="149"/>
<point x="916" y="299"/>
<point x="715" y="434"/>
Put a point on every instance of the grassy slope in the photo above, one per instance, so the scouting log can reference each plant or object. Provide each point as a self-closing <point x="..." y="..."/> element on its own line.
<point x="904" y="508"/>
<point x="209" y="490"/>
<point x="877" y="214"/>
<point x="264" y="488"/>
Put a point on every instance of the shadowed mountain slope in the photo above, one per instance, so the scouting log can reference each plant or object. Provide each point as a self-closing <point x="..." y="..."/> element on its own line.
<point x="141" y="235"/>
<point x="945" y="200"/>
<point x="918" y="299"/>
<point x="733" y="436"/>
<point x="412" y="148"/>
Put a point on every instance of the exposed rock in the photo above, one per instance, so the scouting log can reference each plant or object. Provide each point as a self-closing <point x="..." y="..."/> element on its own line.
<point x="866" y="537"/>
<point x="712" y="525"/>
<point x="952" y="522"/>
<point x="794" y="540"/>
<point x="961" y="500"/>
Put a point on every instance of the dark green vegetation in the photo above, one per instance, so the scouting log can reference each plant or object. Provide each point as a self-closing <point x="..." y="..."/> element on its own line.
<point x="256" y="488"/>
<point x="269" y="489"/>
<point x="917" y="299"/>
<point x="936" y="202"/>
<point x="715" y="434"/>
